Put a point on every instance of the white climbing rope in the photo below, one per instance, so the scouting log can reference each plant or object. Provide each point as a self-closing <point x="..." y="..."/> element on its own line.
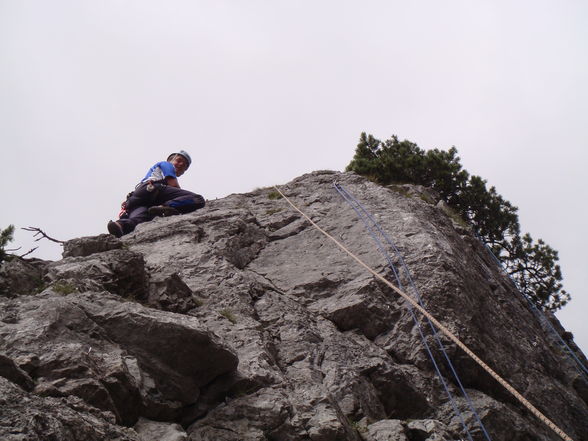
<point x="441" y="327"/>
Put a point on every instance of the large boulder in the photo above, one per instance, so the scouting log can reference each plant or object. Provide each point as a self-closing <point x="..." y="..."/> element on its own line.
<point x="118" y="271"/>
<point x="30" y="417"/>
<point x="117" y="356"/>
<point x="84" y="246"/>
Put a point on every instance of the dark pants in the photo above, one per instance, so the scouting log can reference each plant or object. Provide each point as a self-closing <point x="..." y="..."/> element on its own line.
<point x="141" y="199"/>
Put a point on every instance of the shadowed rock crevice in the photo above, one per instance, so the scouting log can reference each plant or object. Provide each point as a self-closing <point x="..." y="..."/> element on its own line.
<point x="118" y="271"/>
<point x="168" y="292"/>
<point x="245" y="241"/>
<point x="241" y="322"/>
<point x="12" y="372"/>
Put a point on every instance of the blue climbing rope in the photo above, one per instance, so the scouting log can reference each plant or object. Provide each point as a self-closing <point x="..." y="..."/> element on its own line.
<point x="543" y="320"/>
<point x="348" y="198"/>
<point x="364" y="215"/>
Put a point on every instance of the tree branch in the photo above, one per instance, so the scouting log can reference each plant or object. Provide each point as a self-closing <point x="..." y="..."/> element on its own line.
<point x="43" y="235"/>
<point x="29" y="252"/>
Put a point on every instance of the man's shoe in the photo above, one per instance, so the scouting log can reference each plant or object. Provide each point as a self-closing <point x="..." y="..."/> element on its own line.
<point x="115" y="229"/>
<point x="162" y="210"/>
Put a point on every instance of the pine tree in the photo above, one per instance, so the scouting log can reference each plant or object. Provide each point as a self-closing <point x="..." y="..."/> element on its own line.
<point x="494" y="219"/>
<point x="5" y="238"/>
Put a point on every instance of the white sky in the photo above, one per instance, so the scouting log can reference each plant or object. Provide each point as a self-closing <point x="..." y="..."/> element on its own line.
<point x="92" y="93"/>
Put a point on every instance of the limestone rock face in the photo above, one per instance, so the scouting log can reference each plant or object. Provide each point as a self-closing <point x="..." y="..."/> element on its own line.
<point x="28" y="416"/>
<point x="84" y="246"/>
<point x="21" y="276"/>
<point x="117" y="356"/>
<point x="242" y="322"/>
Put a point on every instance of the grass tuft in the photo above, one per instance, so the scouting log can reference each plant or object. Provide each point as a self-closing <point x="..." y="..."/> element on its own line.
<point x="64" y="288"/>
<point x="228" y="314"/>
<point x="274" y="195"/>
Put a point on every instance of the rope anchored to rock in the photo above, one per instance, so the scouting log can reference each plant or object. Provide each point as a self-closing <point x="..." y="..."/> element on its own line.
<point x="382" y="241"/>
<point x="439" y="326"/>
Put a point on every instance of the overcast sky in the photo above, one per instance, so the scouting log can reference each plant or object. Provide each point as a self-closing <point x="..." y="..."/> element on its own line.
<point x="92" y="93"/>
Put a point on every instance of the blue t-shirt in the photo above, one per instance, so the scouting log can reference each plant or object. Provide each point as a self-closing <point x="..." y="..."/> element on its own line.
<point x="160" y="171"/>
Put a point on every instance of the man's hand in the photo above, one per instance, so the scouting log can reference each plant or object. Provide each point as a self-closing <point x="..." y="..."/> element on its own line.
<point x="173" y="182"/>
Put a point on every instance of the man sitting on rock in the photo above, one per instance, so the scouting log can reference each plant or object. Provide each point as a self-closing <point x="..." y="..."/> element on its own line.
<point x="158" y="194"/>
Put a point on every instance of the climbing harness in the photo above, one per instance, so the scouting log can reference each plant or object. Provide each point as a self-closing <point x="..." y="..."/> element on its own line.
<point x="371" y="224"/>
<point x="437" y="324"/>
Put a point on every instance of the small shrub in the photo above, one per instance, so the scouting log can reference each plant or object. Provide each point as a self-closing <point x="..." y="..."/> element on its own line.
<point x="399" y="189"/>
<point x="273" y="211"/>
<point x="6" y="235"/>
<point x="426" y="198"/>
<point x="41" y="286"/>
<point x="358" y="426"/>
<point x="274" y="195"/>
<point x="455" y="216"/>
<point x="64" y="288"/>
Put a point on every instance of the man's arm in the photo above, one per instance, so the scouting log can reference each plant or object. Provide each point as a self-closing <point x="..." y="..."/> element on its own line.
<point x="169" y="173"/>
<point x="173" y="182"/>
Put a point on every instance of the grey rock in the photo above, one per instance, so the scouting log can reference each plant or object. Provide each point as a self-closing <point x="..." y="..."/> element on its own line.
<point x="242" y="322"/>
<point x="398" y="430"/>
<point x="259" y="416"/>
<point x="120" y="272"/>
<point x="117" y="356"/>
<point x="429" y="430"/>
<point x="170" y="293"/>
<point x="157" y="431"/>
<point x="386" y="430"/>
<point x="10" y="370"/>
<point x="289" y="229"/>
<point x="499" y="421"/>
<point x="84" y="246"/>
<point x="176" y="345"/>
<point x="20" y="276"/>
<point x="25" y="416"/>
<point x="351" y="304"/>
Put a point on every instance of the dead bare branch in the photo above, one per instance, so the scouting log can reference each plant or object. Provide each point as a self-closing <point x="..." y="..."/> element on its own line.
<point x="38" y="231"/>
<point x="12" y="249"/>
<point x="28" y="252"/>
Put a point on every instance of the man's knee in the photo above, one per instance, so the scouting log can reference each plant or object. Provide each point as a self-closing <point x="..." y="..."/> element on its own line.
<point x="199" y="201"/>
<point x="188" y="204"/>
